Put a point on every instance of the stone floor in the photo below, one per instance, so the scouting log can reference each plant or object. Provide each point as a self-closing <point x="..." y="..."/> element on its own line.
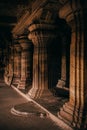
<point x="54" y="103"/>
<point x="28" y="116"/>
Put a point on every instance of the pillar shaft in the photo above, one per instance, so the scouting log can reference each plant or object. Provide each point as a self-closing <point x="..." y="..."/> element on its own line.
<point x="40" y="73"/>
<point x="26" y="62"/>
<point x="74" y="112"/>
<point x="40" y="39"/>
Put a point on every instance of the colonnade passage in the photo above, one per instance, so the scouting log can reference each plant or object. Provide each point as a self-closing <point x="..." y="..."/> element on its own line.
<point x="47" y="54"/>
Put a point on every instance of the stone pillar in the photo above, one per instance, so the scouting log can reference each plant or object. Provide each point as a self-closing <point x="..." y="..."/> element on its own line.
<point x="41" y="35"/>
<point x="26" y="62"/>
<point x="17" y="64"/>
<point x="62" y="82"/>
<point x="74" y="112"/>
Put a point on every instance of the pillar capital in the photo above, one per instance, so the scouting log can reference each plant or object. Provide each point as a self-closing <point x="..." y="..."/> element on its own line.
<point x="71" y="7"/>
<point x="42" y="33"/>
<point x="25" y="43"/>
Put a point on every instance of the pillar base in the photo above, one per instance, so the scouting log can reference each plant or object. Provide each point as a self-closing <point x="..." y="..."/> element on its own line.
<point x="36" y="93"/>
<point x="16" y="80"/>
<point x="24" y="83"/>
<point x="73" y="116"/>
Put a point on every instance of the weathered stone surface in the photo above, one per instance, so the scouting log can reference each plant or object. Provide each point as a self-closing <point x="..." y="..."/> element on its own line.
<point x="73" y="111"/>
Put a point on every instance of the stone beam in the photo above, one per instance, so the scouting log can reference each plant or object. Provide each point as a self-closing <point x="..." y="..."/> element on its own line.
<point x="43" y="8"/>
<point x="27" y="19"/>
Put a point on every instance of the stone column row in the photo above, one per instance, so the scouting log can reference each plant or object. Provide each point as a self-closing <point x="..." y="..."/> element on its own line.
<point x="41" y="36"/>
<point x="23" y="60"/>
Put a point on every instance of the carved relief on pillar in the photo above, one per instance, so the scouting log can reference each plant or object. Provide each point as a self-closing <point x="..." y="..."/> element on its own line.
<point x="26" y="62"/>
<point x="41" y="35"/>
<point x="74" y="112"/>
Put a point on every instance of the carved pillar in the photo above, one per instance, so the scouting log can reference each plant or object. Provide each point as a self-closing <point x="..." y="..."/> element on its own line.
<point x="17" y="64"/>
<point x="41" y="35"/>
<point x="26" y="62"/>
<point x="74" y="112"/>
